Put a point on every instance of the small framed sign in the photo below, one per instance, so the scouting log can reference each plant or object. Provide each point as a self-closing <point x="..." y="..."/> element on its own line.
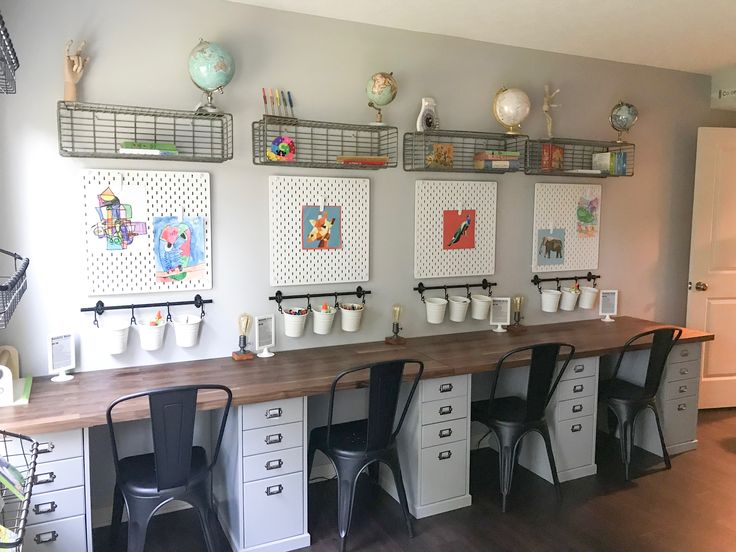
<point x="62" y="356"/>
<point x="265" y="335"/>
<point x="608" y="305"/>
<point x="500" y="313"/>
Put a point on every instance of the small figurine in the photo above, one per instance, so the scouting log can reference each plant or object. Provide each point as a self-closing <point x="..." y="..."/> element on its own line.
<point x="547" y="106"/>
<point x="74" y="65"/>
<point x="428" y="119"/>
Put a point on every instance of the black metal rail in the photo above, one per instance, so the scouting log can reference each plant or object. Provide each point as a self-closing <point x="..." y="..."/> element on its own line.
<point x="100" y="307"/>
<point x="590" y="277"/>
<point x="485" y="284"/>
<point x="359" y="292"/>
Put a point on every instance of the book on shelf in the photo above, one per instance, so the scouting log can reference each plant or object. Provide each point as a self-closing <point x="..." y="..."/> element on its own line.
<point x="553" y="157"/>
<point x="377" y="160"/>
<point x="611" y="162"/>
<point x="491" y="164"/>
<point x="442" y="156"/>
<point x="11" y="478"/>
<point x="147" y="148"/>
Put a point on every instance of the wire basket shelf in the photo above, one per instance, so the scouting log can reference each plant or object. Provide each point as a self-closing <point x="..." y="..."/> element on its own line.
<point x="571" y="157"/>
<point x="456" y="151"/>
<point x="99" y="130"/>
<point x="12" y="287"/>
<point x="22" y="453"/>
<point x="324" y="145"/>
<point x="8" y="61"/>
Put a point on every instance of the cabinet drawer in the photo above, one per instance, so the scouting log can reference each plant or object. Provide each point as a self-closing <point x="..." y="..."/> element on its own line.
<point x="575" y="408"/>
<point x="572" y="442"/>
<point x="575" y="388"/>
<point x="54" y="446"/>
<point x="56" y="505"/>
<point x="272" y="464"/>
<point x="269" y="439"/>
<point x="61" y="474"/>
<point x="273" y="509"/>
<point x="684" y="353"/>
<point x="64" y="535"/>
<point x="682" y="388"/>
<point x="445" y="409"/>
<point x="273" y="413"/>
<point x="444" y="432"/>
<point x="444" y="388"/>
<point x="444" y="472"/>
<point x="680" y="420"/>
<point x="682" y="370"/>
<point x="581" y="368"/>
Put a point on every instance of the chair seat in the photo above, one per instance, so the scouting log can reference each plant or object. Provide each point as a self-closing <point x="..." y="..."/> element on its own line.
<point x="617" y="389"/>
<point x="346" y="439"/>
<point x="138" y="473"/>
<point x="503" y="409"/>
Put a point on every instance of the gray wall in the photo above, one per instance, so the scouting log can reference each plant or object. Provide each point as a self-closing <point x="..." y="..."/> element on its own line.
<point x="139" y="52"/>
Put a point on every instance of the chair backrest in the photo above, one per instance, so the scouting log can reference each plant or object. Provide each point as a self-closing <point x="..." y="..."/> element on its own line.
<point x="539" y="385"/>
<point x="663" y="339"/>
<point x="383" y="397"/>
<point x="172" y="413"/>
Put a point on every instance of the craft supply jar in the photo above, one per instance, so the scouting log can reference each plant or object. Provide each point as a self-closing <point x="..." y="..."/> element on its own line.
<point x="322" y="319"/>
<point x="458" y="307"/>
<point x="436" y="307"/>
<point x="151" y="335"/>
<point x="588" y="296"/>
<point x="294" y="321"/>
<point x="480" y="306"/>
<point x="186" y="329"/>
<point x="569" y="298"/>
<point x="550" y="300"/>
<point x="350" y="316"/>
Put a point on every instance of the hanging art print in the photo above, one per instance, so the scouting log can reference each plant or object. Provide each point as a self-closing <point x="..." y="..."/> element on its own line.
<point x="179" y="248"/>
<point x="321" y="228"/>
<point x="551" y="250"/>
<point x="458" y="229"/>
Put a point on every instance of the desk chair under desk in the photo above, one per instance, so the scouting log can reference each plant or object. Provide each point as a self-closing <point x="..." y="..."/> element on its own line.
<point x="270" y="401"/>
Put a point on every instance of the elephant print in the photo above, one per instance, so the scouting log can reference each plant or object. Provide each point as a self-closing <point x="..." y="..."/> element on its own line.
<point x="551" y="246"/>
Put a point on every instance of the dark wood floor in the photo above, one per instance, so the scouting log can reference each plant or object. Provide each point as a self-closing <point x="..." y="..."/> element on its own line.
<point x="690" y="508"/>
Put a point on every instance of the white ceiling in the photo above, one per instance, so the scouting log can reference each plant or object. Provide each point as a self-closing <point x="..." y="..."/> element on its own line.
<point x="688" y="35"/>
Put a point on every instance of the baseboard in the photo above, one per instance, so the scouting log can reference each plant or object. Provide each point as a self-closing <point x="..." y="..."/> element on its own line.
<point x="441" y="507"/>
<point x="101" y="516"/>
<point x="284" y="545"/>
<point x="682" y="447"/>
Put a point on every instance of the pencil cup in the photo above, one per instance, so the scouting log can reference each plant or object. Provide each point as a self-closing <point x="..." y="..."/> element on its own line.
<point x="322" y="320"/>
<point x="186" y="330"/>
<point x="550" y="300"/>
<point x="480" y="307"/>
<point x="435" y="309"/>
<point x="115" y="338"/>
<point x="294" y="323"/>
<point x="458" y="308"/>
<point x="569" y="299"/>
<point x="588" y="296"/>
<point x="151" y="337"/>
<point x="350" y="316"/>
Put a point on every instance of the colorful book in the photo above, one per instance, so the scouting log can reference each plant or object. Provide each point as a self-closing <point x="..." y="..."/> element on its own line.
<point x="491" y="164"/>
<point x="553" y="157"/>
<point x="159" y="146"/>
<point x="11" y="478"/>
<point x="603" y="161"/>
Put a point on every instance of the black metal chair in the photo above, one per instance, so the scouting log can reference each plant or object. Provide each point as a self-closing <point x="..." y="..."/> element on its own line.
<point x="175" y="470"/>
<point x="512" y="418"/>
<point x="627" y="400"/>
<point x="352" y="446"/>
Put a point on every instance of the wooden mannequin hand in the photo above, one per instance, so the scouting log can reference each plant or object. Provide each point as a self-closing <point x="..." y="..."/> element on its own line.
<point x="74" y="65"/>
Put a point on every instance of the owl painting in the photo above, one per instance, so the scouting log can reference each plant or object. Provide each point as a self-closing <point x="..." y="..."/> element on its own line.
<point x="178" y="248"/>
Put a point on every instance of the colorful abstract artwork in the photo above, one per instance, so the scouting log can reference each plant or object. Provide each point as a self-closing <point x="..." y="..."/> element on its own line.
<point x="587" y="216"/>
<point x="551" y="247"/>
<point x="458" y="229"/>
<point x="179" y="248"/>
<point x="321" y="228"/>
<point x="116" y="226"/>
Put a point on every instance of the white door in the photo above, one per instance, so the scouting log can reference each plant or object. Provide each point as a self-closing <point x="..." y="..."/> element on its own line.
<point x="711" y="304"/>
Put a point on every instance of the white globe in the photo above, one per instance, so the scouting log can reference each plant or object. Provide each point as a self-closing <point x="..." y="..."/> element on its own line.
<point x="510" y="107"/>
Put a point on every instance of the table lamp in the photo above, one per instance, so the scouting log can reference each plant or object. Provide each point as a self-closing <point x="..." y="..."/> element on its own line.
<point x="517" y="302"/>
<point x="396" y="339"/>
<point x="244" y="323"/>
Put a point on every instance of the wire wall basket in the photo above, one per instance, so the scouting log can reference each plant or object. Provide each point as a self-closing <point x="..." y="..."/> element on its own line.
<point x="21" y="453"/>
<point x="12" y="287"/>
<point x="572" y="157"/>
<point x="8" y="61"/>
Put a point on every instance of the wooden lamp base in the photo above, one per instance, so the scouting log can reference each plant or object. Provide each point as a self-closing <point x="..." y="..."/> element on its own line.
<point x="395" y="340"/>
<point x="245" y="355"/>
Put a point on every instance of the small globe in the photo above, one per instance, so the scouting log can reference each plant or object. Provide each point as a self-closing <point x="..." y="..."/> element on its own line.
<point x="623" y="116"/>
<point x="510" y="107"/>
<point x="210" y="66"/>
<point x="381" y="89"/>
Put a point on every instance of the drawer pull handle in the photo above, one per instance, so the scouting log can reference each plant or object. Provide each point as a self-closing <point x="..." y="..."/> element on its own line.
<point x="683" y="389"/>
<point x="577" y="388"/>
<point x="444" y="410"/>
<point x="682" y="406"/>
<point x="446" y="388"/>
<point x="577" y="427"/>
<point x="45" y="508"/>
<point x="274" y="439"/>
<point x="272" y="413"/>
<point x="274" y="490"/>
<point x="45" y="448"/>
<point x="578" y="368"/>
<point x="43" y="538"/>
<point x="44" y="478"/>
<point x="444" y="455"/>
<point x="445" y="432"/>
<point x="274" y="464"/>
<point x="577" y="408"/>
<point x="684" y="353"/>
<point x="684" y="371"/>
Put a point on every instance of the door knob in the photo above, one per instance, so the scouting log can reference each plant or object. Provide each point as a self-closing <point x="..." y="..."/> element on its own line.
<point x="701" y="286"/>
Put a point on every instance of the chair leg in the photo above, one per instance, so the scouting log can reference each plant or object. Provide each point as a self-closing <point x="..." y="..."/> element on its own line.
<point x="395" y="467"/>
<point x="347" y="476"/>
<point x="199" y="499"/>
<point x="625" y="430"/>
<point x="118" y="504"/>
<point x="506" y="462"/>
<point x="665" y="454"/>
<point x="140" y="511"/>
<point x="544" y="432"/>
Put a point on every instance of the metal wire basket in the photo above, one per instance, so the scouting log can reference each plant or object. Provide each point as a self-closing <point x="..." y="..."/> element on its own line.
<point x="12" y="287"/>
<point x="8" y="61"/>
<point x="22" y="453"/>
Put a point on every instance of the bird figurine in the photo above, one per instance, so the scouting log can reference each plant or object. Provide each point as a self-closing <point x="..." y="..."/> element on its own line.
<point x="460" y="232"/>
<point x="175" y="248"/>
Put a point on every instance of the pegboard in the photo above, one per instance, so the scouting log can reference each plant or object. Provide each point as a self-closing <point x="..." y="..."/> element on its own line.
<point x="292" y="261"/>
<point x="121" y="257"/>
<point x="570" y="213"/>
<point x="438" y="203"/>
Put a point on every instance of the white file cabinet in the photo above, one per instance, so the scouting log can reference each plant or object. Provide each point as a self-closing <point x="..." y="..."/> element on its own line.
<point x="58" y="520"/>
<point x="434" y="448"/>
<point x="260" y="482"/>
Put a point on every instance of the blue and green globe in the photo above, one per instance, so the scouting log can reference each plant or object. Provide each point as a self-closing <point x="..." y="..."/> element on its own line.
<point x="381" y="89"/>
<point x="211" y="66"/>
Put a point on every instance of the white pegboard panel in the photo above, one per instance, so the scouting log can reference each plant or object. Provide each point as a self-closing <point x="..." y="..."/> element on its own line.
<point x="433" y="258"/>
<point x="291" y="263"/>
<point x="129" y="265"/>
<point x="570" y="213"/>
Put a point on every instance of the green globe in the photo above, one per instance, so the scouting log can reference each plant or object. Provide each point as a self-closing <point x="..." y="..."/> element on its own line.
<point x="210" y="66"/>
<point x="381" y="89"/>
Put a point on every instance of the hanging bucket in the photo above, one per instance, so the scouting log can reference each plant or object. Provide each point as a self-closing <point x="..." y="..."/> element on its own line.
<point x="294" y="321"/>
<point x="436" y="307"/>
<point x="480" y="307"/>
<point x="588" y="296"/>
<point x="350" y="316"/>
<point x="458" y="307"/>
<point x="322" y="320"/>
<point x="151" y="336"/>
<point x="569" y="299"/>
<point x="186" y="330"/>
<point x="550" y="300"/>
